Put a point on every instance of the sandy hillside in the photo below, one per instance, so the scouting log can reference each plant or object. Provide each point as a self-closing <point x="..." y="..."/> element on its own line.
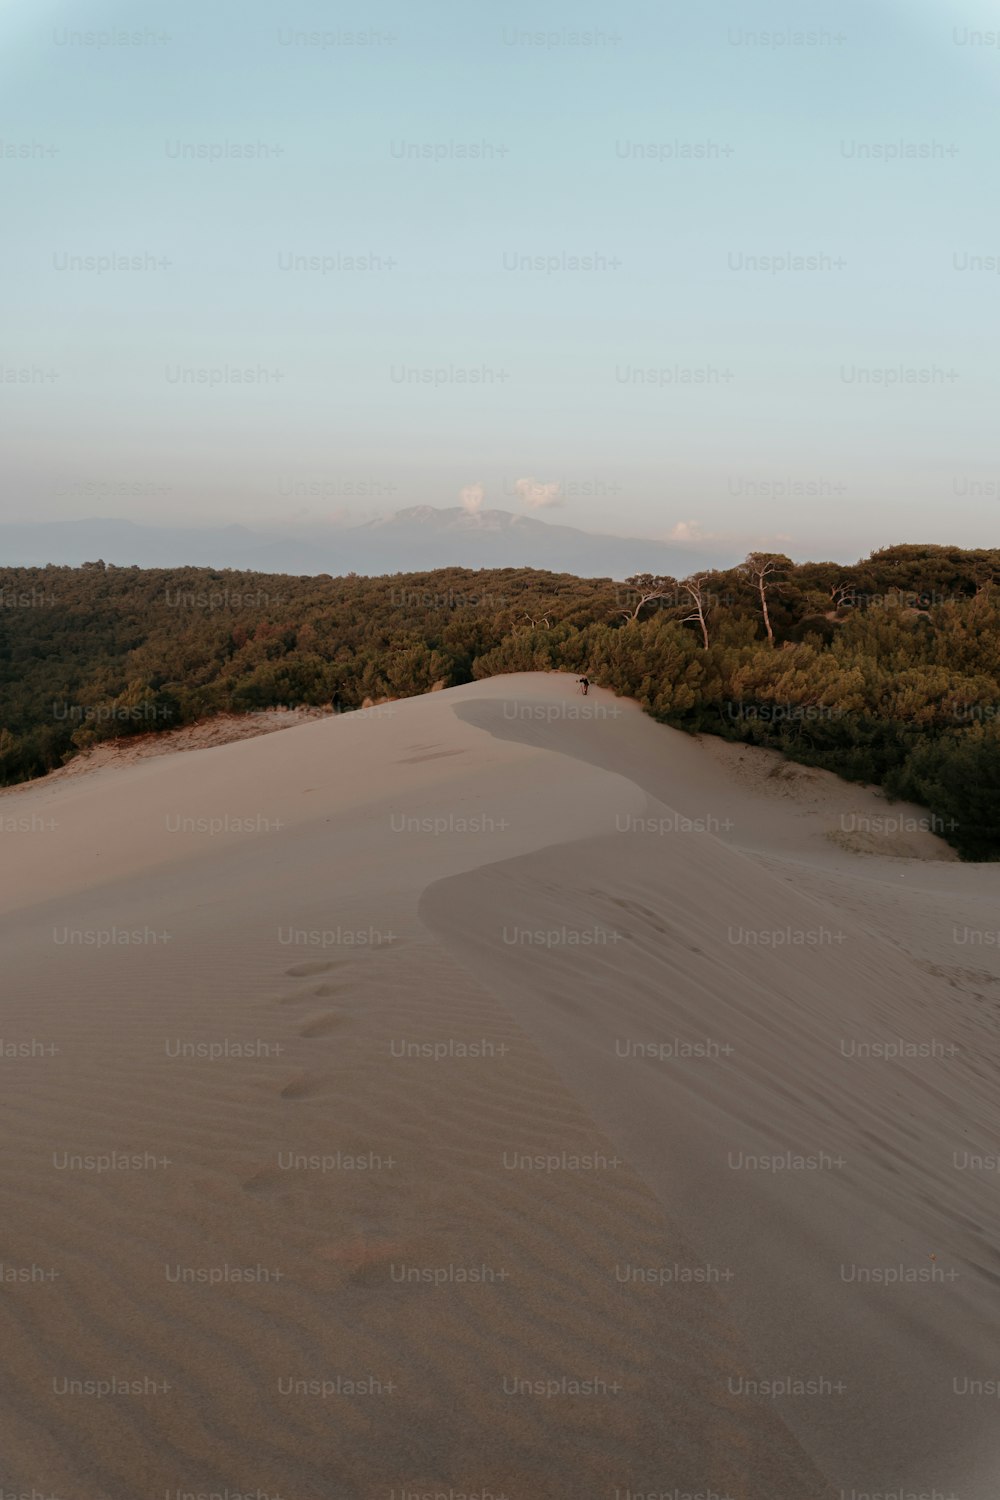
<point x="220" y="729"/>
<point x="499" y="1094"/>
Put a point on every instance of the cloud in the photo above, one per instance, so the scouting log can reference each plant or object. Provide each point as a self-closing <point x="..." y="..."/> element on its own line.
<point x="693" y="531"/>
<point x="687" y="531"/>
<point x="472" y="497"/>
<point x="538" y="496"/>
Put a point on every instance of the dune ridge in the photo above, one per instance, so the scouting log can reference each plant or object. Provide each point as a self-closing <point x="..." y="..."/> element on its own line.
<point x="398" y="1064"/>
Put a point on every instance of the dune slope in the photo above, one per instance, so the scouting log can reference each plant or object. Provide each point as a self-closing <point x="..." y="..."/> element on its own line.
<point x="494" y="1092"/>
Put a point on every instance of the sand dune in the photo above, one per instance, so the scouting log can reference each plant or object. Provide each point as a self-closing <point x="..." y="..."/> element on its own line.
<point x="495" y="1093"/>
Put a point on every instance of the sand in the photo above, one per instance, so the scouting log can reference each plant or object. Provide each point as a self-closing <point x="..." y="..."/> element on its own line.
<point x="499" y="1094"/>
<point x="218" y="729"/>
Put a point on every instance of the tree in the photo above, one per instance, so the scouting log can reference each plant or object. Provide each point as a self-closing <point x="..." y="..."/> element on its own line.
<point x="760" y="570"/>
<point x="649" y="586"/>
<point x="880" y="692"/>
<point x="842" y="594"/>
<point x="695" y="588"/>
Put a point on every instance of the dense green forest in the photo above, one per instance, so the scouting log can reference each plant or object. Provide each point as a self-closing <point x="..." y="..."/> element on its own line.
<point x="887" y="671"/>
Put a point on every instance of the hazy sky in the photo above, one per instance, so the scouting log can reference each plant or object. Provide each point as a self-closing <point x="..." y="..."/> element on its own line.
<point x="566" y="216"/>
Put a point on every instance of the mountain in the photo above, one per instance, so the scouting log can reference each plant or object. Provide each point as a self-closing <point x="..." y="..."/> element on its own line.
<point x="426" y="537"/>
<point x="416" y="539"/>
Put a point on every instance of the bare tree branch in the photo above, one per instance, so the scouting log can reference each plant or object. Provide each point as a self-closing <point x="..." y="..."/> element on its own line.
<point x="650" y="586"/>
<point x="759" y="569"/>
<point x="695" y="589"/>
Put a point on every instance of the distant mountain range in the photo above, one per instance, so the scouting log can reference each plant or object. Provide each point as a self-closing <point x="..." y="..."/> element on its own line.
<point x="413" y="540"/>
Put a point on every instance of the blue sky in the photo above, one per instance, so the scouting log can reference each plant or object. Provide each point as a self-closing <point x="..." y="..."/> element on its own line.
<point x="587" y="301"/>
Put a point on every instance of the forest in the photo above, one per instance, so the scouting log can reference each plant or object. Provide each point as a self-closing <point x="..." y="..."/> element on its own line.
<point x="885" y="671"/>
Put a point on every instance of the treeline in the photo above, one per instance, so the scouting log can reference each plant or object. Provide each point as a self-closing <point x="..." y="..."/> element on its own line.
<point x="887" y="671"/>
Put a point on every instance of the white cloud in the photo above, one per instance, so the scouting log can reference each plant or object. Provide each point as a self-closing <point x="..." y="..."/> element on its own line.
<point x="687" y="531"/>
<point x="472" y="497"/>
<point x="537" y="495"/>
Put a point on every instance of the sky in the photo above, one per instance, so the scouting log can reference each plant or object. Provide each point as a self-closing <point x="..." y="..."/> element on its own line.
<point x="725" y="271"/>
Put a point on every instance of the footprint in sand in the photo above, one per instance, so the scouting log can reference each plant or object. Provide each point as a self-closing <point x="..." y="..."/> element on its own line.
<point x="266" y="1183"/>
<point x="324" y="1025"/>
<point x="366" y="1256"/>
<point x="306" y="1086"/>
<point x="318" y="992"/>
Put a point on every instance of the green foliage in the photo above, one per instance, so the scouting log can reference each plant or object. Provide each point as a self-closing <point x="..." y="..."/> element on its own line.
<point x="957" y="776"/>
<point x="887" y="671"/>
